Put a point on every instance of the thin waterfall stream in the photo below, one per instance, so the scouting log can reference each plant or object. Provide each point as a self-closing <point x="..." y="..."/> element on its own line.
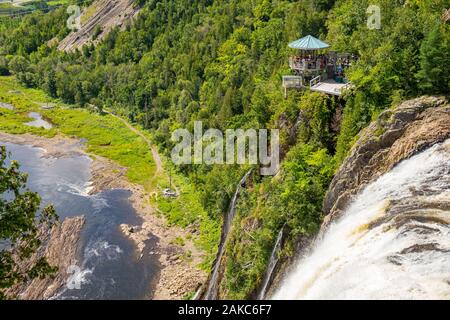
<point x="274" y="258"/>
<point x="213" y="284"/>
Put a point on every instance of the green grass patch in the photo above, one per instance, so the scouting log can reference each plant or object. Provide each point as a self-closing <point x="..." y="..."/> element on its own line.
<point x="9" y="8"/>
<point x="106" y="136"/>
<point x="13" y="121"/>
<point x="178" y="241"/>
<point x="187" y="211"/>
<point x="109" y="138"/>
<point x="58" y="2"/>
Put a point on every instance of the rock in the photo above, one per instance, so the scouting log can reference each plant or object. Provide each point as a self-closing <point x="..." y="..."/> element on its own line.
<point x="61" y="250"/>
<point x="138" y="234"/>
<point x="397" y="135"/>
<point x="107" y="15"/>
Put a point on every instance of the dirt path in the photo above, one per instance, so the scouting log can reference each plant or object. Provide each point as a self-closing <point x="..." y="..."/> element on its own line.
<point x="178" y="273"/>
<point x="156" y="157"/>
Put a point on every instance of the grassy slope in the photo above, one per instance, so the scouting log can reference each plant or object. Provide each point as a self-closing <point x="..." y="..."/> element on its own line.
<point x="108" y="137"/>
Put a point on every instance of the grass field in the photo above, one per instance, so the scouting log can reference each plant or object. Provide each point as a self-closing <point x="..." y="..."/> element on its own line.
<point x="106" y="136"/>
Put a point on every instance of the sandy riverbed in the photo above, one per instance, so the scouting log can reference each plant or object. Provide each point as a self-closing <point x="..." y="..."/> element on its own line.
<point x="178" y="274"/>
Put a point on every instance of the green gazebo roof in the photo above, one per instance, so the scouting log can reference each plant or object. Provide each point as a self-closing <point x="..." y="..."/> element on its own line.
<point x="308" y="43"/>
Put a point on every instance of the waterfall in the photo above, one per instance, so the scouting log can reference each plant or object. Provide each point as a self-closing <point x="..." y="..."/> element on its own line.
<point x="271" y="265"/>
<point x="213" y="284"/>
<point x="392" y="241"/>
<point x="198" y="293"/>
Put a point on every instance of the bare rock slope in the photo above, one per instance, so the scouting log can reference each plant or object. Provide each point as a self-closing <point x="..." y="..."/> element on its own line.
<point x="103" y="14"/>
<point x="61" y="249"/>
<point x="398" y="134"/>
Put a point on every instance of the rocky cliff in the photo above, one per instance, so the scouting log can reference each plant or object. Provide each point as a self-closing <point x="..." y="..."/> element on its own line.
<point x="396" y="135"/>
<point x="61" y="249"/>
<point x="386" y="231"/>
<point x="101" y="15"/>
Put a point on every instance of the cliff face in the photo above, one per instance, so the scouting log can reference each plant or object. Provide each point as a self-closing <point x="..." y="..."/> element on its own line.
<point x="386" y="233"/>
<point x="103" y="14"/>
<point x="397" y="135"/>
<point x="61" y="249"/>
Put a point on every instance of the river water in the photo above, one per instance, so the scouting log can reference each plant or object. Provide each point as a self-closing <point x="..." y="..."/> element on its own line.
<point x="109" y="267"/>
<point x="392" y="242"/>
<point x="38" y="121"/>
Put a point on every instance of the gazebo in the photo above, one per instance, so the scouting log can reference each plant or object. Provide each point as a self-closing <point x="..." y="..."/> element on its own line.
<point x="308" y="43"/>
<point x="307" y="63"/>
<point x="313" y="70"/>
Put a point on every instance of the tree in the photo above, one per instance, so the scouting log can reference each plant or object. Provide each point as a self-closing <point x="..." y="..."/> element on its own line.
<point x="21" y="68"/>
<point x="435" y="60"/>
<point x="20" y="226"/>
<point x="226" y="111"/>
<point x="4" y="71"/>
<point x="49" y="84"/>
<point x="19" y="64"/>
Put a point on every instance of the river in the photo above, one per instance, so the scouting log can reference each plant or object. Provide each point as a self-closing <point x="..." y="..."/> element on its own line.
<point x="110" y="267"/>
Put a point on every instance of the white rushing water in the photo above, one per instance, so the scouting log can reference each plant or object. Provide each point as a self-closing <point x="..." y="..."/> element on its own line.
<point x="273" y="260"/>
<point x="213" y="284"/>
<point x="392" y="242"/>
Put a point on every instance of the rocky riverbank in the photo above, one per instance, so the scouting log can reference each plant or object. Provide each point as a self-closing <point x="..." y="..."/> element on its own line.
<point x="178" y="274"/>
<point x="60" y="247"/>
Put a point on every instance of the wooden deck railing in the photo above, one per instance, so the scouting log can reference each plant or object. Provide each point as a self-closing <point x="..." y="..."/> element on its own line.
<point x="314" y="81"/>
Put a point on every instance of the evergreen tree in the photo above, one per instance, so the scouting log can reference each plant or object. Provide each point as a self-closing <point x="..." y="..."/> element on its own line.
<point x="435" y="61"/>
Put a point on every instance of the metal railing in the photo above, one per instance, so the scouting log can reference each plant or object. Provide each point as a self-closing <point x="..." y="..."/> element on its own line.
<point x="314" y="81"/>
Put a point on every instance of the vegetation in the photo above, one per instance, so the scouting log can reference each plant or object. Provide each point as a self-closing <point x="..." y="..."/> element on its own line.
<point x="20" y="224"/>
<point x="107" y="136"/>
<point x="9" y="8"/>
<point x="221" y="62"/>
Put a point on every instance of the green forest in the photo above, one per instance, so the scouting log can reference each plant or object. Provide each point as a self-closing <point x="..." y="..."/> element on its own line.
<point x="222" y="62"/>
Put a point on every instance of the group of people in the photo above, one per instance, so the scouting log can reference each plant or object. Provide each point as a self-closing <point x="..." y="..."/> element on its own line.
<point x="309" y="62"/>
<point x="344" y="61"/>
<point x="335" y="65"/>
<point x="341" y="64"/>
